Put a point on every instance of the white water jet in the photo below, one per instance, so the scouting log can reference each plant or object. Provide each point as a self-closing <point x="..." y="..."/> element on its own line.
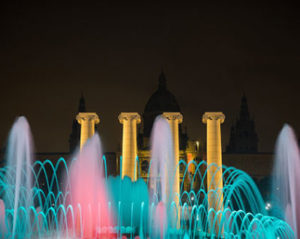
<point x="162" y="175"/>
<point x="286" y="182"/>
<point x="19" y="157"/>
<point x="162" y="161"/>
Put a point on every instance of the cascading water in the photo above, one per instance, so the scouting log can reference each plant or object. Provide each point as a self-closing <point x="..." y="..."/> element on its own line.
<point x="91" y="206"/>
<point x="286" y="182"/>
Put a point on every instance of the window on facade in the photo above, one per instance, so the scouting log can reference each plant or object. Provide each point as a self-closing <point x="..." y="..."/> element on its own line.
<point x="145" y="166"/>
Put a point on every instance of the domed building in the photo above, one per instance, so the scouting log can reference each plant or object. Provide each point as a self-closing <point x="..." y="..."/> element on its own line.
<point x="162" y="100"/>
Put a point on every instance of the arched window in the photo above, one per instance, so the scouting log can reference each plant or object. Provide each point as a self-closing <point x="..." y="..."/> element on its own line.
<point x="145" y="166"/>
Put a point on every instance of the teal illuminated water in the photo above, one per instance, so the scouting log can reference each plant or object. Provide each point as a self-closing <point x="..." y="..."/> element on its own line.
<point x="73" y="200"/>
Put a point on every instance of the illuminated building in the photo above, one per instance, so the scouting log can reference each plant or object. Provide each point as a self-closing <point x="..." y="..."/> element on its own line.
<point x="163" y="102"/>
<point x="242" y="150"/>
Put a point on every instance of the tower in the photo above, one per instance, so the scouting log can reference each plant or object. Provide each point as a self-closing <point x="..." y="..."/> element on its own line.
<point x="243" y="137"/>
<point x="74" y="137"/>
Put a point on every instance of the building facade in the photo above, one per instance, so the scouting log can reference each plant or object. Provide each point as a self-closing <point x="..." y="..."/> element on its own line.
<point x="162" y="100"/>
<point x="241" y="152"/>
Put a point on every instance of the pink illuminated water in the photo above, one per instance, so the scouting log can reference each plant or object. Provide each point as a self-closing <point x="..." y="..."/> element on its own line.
<point x="160" y="226"/>
<point x="88" y="194"/>
<point x="2" y="219"/>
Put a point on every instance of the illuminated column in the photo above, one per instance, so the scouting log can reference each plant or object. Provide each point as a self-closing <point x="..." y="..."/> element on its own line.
<point x="214" y="160"/>
<point x="87" y="122"/>
<point x="129" y="144"/>
<point x="174" y="119"/>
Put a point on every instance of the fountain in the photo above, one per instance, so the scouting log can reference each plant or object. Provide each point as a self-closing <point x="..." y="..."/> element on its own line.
<point x="35" y="204"/>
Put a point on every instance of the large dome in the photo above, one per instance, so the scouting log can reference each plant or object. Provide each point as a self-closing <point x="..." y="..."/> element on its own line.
<point x="162" y="100"/>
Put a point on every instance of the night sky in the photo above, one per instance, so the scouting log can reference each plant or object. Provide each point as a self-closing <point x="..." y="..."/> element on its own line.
<point x="50" y="53"/>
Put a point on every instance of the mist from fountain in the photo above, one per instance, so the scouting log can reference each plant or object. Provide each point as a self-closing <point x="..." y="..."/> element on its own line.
<point x="286" y="179"/>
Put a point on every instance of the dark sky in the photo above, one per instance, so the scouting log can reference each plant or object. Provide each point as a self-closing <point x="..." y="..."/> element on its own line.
<point x="50" y="53"/>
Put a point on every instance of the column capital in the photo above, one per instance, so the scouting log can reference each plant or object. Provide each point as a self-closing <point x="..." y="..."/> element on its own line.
<point x="213" y="116"/>
<point x="173" y="116"/>
<point x="129" y="116"/>
<point x="87" y="116"/>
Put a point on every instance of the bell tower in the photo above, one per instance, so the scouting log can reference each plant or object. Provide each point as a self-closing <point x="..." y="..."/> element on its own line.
<point x="74" y="137"/>
<point x="243" y="137"/>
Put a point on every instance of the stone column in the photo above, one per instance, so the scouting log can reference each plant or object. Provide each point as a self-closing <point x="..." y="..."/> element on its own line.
<point x="129" y="144"/>
<point x="214" y="160"/>
<point x="174" y="119"/>
<point x="87" y="122"/>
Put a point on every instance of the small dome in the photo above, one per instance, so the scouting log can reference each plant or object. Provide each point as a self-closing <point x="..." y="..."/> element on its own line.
<point x="162" y="100"/>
